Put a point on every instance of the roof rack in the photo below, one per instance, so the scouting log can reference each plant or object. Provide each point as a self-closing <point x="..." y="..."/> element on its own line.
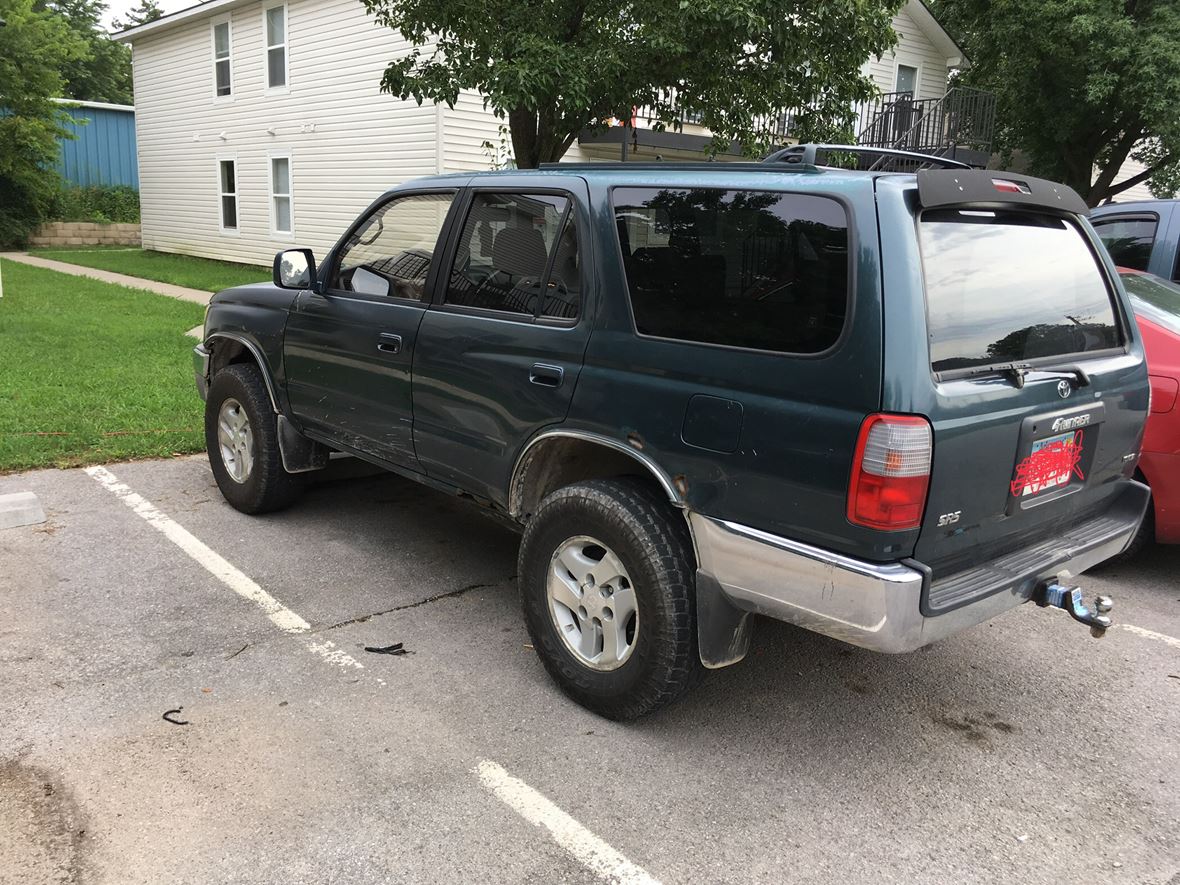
<point x="806" y="154"/>
<point x="677" y="165"/>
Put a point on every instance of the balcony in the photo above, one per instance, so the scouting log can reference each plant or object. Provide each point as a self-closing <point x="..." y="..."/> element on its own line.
<point x="960" y="125"/>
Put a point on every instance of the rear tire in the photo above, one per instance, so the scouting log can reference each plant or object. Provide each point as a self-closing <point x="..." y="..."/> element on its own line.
<point x="1144" y="536"/>
<point x="620" y="555"/>
<point x="241" y="435"/>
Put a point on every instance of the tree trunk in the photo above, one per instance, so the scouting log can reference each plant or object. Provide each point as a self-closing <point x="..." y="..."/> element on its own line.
<point x="537" y="138"/>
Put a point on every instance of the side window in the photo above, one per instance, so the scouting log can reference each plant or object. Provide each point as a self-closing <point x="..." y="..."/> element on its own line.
<point x="275" y="18"/>
<point x="222" y="71"/>
<point x="227" y="189"/>
<point x="756" y="269"/>
<point x="1128" y="240"/>
<point x="518" y="254"/>
<point x="390" y="253"/>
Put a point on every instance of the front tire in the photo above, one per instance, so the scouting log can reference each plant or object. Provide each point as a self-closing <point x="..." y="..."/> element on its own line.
<point x="241" y="435"/>
<point x="607" y="585"/>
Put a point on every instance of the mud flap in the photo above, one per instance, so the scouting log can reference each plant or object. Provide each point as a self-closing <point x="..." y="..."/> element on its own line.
<point x="300" y="454"/>
<point x="723" y="631"/>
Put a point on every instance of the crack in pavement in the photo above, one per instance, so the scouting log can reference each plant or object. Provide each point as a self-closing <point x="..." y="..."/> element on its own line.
<point x="449" y="594"/>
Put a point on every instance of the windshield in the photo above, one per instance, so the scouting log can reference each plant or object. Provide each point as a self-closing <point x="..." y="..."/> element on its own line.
<point x="1007" y="287"/>
<point x="1155" y="299"/>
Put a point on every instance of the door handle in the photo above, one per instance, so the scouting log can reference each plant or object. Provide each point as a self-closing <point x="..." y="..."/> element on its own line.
<point x="546" y="375"/>
<point x="389" y="343"/>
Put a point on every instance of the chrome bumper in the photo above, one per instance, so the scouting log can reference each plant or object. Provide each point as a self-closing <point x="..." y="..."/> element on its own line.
<point x="871" y="605"/>
<point x="201" y="370"/>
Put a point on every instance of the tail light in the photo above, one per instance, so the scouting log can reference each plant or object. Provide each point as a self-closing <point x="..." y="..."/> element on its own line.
<point x="890" y="472"/>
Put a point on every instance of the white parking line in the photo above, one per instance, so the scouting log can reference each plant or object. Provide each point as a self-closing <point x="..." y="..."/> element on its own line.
<point x="1150" y="634"/>
<point x="587" y="848"/>
<point x="591" y="852"/>
<point x="279" y="615"/>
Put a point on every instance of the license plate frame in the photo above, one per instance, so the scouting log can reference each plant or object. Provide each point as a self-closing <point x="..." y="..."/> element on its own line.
<point x="1054" y="455"/>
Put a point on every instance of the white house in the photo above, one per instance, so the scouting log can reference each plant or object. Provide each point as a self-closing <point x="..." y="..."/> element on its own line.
<point x="261" y="123"/>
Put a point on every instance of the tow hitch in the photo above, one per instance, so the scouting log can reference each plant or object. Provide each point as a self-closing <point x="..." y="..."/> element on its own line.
<point x="1070" y="599"/>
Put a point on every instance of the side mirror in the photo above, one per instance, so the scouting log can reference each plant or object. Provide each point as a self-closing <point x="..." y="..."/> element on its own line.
<point x="294" y="269"/>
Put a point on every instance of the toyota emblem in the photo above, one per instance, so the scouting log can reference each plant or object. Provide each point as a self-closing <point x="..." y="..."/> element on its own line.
<point x="1064" y="388"/>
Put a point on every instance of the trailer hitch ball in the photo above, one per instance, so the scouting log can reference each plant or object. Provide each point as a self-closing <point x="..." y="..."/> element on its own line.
<point x="1052" y="594"/>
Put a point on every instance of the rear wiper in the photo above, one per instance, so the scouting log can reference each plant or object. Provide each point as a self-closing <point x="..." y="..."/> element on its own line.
<point x="1019" y="371"/>
<point x="1015" y="371"/>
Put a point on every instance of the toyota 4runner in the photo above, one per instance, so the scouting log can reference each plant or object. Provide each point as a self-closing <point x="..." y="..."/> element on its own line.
<point x="881" y="406"/>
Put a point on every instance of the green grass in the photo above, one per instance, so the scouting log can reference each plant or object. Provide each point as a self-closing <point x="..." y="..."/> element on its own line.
<point x="165" y="267"/>
<point x="92" y="372"/>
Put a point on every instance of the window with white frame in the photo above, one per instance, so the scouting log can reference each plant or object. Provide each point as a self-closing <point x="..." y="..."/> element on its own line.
<point x="222" y="71"/>
<point x="227" y="184"/>
<point x="276" y="46"/>
<point x="282" y="219"/>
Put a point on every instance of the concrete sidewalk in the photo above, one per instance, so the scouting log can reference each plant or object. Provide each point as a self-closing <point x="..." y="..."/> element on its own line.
<point x="195" y="295"/>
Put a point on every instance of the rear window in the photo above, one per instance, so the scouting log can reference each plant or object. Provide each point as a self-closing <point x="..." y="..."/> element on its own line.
<point x="756" y="269"/>
<point x="1010" y="287"/>
<point x="1128" y="240"/>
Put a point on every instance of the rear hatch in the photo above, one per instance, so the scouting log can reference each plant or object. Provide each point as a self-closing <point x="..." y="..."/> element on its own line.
<point x="1032" y="378"/>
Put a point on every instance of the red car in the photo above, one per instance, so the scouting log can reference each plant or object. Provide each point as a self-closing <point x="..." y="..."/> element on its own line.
<point x="1157" y="308"/>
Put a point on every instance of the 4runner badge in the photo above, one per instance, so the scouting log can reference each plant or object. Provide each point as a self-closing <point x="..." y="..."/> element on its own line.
<point x="1071" y="423"/>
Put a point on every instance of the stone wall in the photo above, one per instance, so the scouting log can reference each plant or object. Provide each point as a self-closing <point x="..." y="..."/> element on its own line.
<point x="84" y="233"/>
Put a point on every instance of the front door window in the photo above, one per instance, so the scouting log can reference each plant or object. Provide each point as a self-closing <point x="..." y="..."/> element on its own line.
<point x="391" y="252"/>
<point x="907" y="79"/>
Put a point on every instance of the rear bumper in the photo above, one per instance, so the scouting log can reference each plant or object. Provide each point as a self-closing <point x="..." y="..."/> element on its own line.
<point x="878" y="605"/>
<point x="1163" y="472"/>
<point x="201" y="370"/>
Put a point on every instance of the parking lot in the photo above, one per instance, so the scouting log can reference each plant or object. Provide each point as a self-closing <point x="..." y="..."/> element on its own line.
<point x="1021" y="751"/>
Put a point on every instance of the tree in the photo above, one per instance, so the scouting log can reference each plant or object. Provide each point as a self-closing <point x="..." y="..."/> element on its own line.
<point x="103" y="73"/>
<point x="34" y="47"/>
<point x="555" y="67"/>
<point x="1081" y="85"/>
<point x="146" y="11"/>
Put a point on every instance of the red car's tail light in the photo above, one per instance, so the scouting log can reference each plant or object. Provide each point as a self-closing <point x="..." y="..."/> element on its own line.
<point x="890" y="472"/>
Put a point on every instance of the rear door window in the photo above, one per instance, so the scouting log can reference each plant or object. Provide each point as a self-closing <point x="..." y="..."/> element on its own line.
<point x="1128" y="240"/>
<point x="1011" y="287"/>
<point x="754" y="269"/>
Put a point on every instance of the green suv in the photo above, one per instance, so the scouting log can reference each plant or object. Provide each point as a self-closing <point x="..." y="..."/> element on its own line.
<point x="881" y="406"/>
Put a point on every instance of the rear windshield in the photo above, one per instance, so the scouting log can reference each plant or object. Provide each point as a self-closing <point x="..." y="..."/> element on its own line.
<point x="1007" y="287"/>
<point x="1154" y="299"/>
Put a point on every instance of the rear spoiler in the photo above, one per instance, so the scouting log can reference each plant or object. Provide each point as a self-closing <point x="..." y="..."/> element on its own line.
<point x="985" y="189"/>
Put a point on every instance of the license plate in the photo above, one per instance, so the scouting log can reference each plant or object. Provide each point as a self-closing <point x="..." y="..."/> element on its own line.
<point x="1054" y="462"/>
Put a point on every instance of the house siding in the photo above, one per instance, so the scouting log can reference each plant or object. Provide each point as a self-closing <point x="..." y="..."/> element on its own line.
<point x="183" y="130"/>
<point x="347" y="142"/>
<point x="913" y="48"/>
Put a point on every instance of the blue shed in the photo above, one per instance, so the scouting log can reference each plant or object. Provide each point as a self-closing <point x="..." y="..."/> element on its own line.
<point x="103" y="151"/>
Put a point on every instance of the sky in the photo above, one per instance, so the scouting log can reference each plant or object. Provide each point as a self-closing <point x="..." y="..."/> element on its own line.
<point x="119" y="8"/>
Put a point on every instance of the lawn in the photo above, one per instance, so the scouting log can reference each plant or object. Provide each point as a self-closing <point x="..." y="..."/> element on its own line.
<point x="92" y="372"/>
<point x="180" y="270"/>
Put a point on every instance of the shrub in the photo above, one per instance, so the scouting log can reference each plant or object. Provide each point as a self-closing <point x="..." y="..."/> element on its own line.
<point x="104" y="204"/>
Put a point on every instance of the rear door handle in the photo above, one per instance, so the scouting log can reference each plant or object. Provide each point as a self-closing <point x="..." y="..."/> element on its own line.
<point x="546" y="375"/>
<point x="389" y="343"/>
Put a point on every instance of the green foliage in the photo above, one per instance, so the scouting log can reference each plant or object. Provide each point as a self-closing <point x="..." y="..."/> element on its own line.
<point x="93" y="372"/>
<point x="555" y="67"/>
<point x="34" y="48"/>
<point x="146" y="11"/>
<point x="103" y="72"/>
<point x="1079" y="84"/>
<point x="113" y="203"/>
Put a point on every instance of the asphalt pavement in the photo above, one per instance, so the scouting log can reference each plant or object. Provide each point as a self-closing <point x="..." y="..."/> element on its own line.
<point x="1021" y="751"/>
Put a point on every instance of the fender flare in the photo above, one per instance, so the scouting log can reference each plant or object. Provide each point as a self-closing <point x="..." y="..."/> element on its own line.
<point x="256" y="353"/>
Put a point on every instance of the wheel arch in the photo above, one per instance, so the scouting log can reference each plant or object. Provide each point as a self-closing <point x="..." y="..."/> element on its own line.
<point x="556" y="458"/>
<point x="229" y="348"/>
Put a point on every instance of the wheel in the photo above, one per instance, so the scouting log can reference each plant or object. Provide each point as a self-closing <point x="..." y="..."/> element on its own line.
<point x="607" y="585"/>
<point x="241" y="435"/>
